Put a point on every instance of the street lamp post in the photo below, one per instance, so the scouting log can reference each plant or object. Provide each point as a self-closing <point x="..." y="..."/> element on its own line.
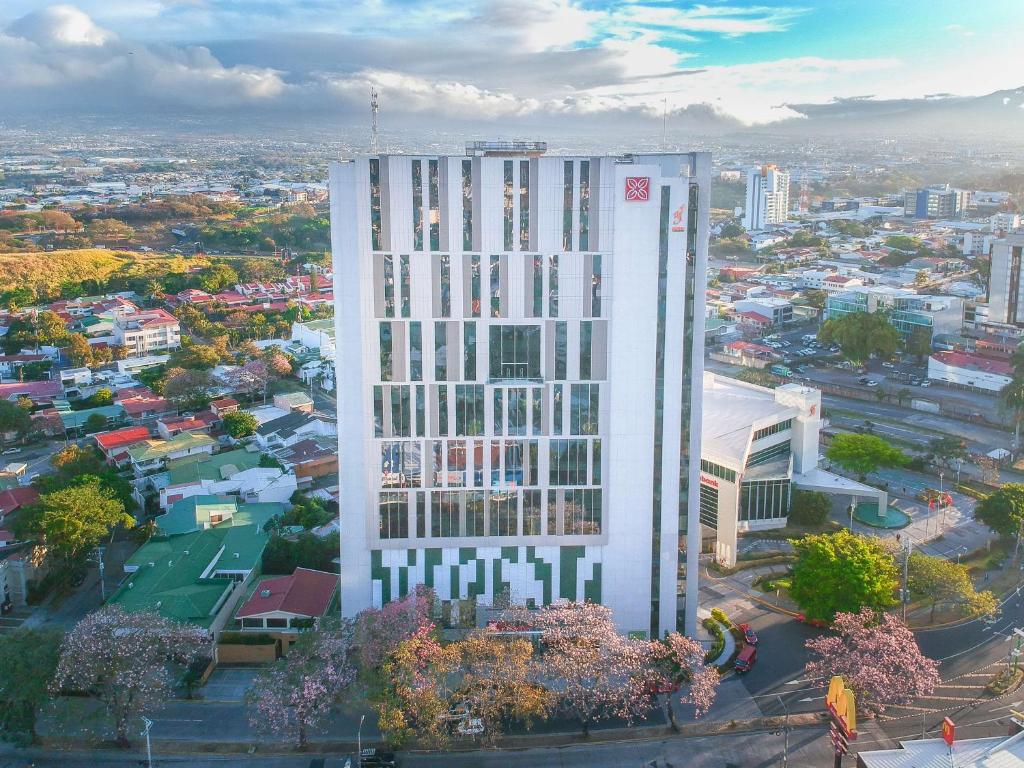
<point x="785" y="731"/>
<point x="359" y="743"/>
<point x="149" y="751"/>
<point x="853" y="507"/>
<point x="103" y="586"/>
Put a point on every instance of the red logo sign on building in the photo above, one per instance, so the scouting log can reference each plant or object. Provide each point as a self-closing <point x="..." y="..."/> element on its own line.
<point x="638" y="189"/>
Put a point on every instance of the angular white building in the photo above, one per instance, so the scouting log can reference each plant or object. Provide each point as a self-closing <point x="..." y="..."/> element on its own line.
<point x="767" y="199"/>
<point x="519" y="358"/>
<point x="1006" y="280"/>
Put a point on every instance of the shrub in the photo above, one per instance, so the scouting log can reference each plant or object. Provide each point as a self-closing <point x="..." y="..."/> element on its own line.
<point x="809" y="507"/>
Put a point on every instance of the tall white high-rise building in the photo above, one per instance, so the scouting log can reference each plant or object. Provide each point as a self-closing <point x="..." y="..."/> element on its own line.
<point x="1006" y="281"/>
<point x="767" y="197"/>
<point x="519" y="354"/>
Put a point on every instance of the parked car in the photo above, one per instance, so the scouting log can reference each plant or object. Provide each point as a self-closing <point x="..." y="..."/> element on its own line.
<point x="887" y="364"/>
<point x="746" y="659"/>
<point x="872" y="383"/>
<point x="749" y="635"/>
<point x="926" y="383"/>
<point x="372" y="757"/>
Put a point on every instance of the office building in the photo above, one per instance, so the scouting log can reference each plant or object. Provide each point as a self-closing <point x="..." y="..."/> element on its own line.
<point x="908" y="312"/>
<point x="518" y="339"/>
<point x="767" y="197"/>
<point x="758" y="445"/>
<point x="943" y="202"/>
<point x="1005" y="281"/>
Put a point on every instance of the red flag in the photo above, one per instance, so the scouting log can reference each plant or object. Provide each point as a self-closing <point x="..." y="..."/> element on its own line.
<point x="931" y="503"/>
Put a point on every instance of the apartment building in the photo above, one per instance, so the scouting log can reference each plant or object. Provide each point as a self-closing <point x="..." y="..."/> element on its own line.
<point x="142" y="333"/>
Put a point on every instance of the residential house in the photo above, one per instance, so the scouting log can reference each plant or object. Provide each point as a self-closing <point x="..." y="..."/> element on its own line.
<point x="310" y="458"/>
<point x="206" y="511"/>
<point x="224" y="405"/>
<point x="294" y="401"/>
<point x="115" y="444"/>
<point x="291" y="428"/>
<point x="288" y="603"/>
<point x="151" y="455"/>
<point x="75" y="422"/>
<point x="11" y="365"/>
<point x="747" y="354"/>
<point x="195" y="577"/>
<point x="236" y="472"/>
<point x="143" y="404"/>
<point x="39" y="392"/>
<point x="200" y="422"/>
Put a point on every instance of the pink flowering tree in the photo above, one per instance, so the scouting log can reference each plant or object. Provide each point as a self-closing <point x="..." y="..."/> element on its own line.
<point x="593" y="672"/>
<point x="378" y="631"/>
<point x="250" y="378"/>
<point x="878" y="657"/>
<point x="296" y="693"/>
<point x="128" y="661"/>
<point x="678" y="674"/>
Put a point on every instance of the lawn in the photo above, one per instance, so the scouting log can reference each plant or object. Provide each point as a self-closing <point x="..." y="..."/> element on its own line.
<point x="56" y="267"/>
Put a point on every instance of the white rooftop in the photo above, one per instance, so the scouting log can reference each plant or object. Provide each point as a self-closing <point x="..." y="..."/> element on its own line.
<point x="731" y="409"/>
<point x="997" y="752"/>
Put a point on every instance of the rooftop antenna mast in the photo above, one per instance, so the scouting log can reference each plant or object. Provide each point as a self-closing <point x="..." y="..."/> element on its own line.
<point x="374" y="109"/>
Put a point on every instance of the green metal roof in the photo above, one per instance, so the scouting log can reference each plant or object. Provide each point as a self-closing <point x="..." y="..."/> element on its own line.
<point x="323" y="326"/>
<point x="158" y="449"/>
<point x="75" y="419"/>
<point x="205" y="466"/>
<point x="194" y="512"/>
<point x="173" y="584"/>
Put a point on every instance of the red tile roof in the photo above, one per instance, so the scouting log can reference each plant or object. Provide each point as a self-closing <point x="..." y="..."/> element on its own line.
<point x="305" y="593"/>
<point x="15" y="498"/>
<point x="122" y="438"/>
<point x="974" y="362"/>
<point x="31" y="389"/>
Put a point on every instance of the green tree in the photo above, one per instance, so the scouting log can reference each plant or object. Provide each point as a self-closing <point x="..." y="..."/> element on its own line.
<point x="195" y="356"/>
<point x="1011" y="402"/>
<point x="732" y="229"/>
<point x="96" y="422"/>
<point x="28" y="659"/>
<point x="760" y="376"/>
<point x="809" y="507"/>
<point x="947" y="450"/>
<point x="305" y="551"/>
<point x="79" y="350"/>
<point x="1003" y="510"/>
<point x="903" y="243"/>
<point x="13" y="419"/>
<point x="240" y="424"/>
<point x="938" y="580"/>
<point x="864" y="453"/>
<point x="860" y="335"/>
<point x="108" y="229"/>
<point x="75" y="460"/>
<point x="218" y="277"/>
<point x="51" y="329"/>
<point x="842" y="572"/>
<point x="815" y="298"/>
<point x="101" y="397"/>
<point x="919" y="343"/>
<point x="73" y="520"/>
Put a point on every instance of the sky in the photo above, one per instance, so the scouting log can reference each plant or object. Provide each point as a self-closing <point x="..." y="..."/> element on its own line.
<point x="724" y="63"/>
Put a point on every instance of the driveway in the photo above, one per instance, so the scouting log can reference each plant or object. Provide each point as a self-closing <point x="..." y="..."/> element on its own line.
<point x="228" y="684"/>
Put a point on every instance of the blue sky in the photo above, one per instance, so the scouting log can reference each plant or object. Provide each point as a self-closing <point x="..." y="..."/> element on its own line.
<point x="505" y="59"/>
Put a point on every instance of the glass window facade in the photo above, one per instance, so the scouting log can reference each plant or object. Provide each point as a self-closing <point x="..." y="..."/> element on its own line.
<point x="709" y="506"/>
<point x="717" y="470"/>
<point x="415" y="351"/>
<point x="394" y="515"/>
<point x="553" y="285"/>
<point x="405" y="297"/>
<point x="417" y="205"/>
<point x="469" y="351"/>
<point x="584" y="404"/>
<point x="584" y="205"/>
<point x="567" y="206"/>
<point x="766" y="455"/>
<point x="524" y="205"/>
<point x="375" y="219"/>
<point x="467" y="205"/>
<point x="514" y="352"/>
<point x="773" y="429"/>
<point x="433" y="195"/>
<point x="764" y="500"/>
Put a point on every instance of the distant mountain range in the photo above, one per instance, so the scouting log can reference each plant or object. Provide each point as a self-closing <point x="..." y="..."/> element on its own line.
<point x="999" y="112"/>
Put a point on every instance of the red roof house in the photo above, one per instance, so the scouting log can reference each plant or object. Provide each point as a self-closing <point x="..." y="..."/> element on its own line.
<point x="16" y="498"/>
<point x="281" y="601"/>
<point x="115" y="444"/>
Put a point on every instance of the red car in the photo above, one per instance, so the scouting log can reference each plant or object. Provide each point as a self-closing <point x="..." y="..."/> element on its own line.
<point x="813" y="622"/>
<point x="746" y="659"/>
<point x="749" y="636"/>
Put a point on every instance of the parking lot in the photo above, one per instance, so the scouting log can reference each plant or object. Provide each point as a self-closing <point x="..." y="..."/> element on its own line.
<point x="228" y="683"/>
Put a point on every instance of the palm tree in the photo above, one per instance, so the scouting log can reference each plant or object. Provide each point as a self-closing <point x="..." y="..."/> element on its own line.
<point x="1011" y="401"/>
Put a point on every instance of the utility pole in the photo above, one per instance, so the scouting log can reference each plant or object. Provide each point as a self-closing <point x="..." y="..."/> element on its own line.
<point x="906" y="571"/>
<point x="99" y="560"/>
<point x="785" y="731"/>
<point x="359" y="743"/>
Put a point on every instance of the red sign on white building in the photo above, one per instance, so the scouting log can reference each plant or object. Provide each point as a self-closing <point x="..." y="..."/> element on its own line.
<point x="638" y="189"/>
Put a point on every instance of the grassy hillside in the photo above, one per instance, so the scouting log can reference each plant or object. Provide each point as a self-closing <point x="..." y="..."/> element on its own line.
<point x="57" y="267"/>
